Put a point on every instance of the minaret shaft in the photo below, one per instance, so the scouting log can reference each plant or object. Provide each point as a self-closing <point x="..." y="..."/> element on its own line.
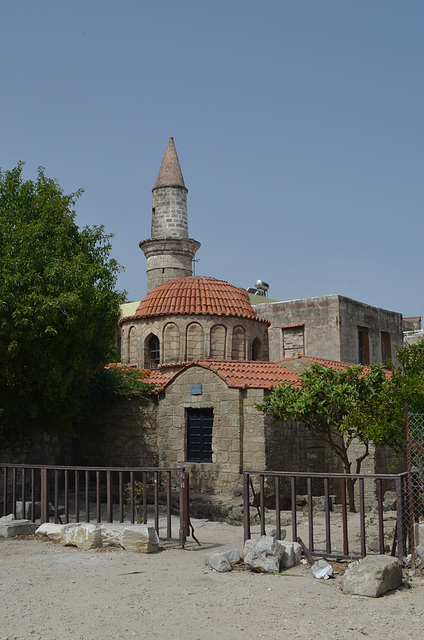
<point x="169" y="251"/>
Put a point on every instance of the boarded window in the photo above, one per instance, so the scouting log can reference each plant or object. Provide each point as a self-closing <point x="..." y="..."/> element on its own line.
<point x="293" y="341"/>
<point x="364" y="345"/>
<point x="386" y="347"/>
<point x="199" y="435"/>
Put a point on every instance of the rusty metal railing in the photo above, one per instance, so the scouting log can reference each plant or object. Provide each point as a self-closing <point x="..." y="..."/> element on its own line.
<point x="274" y="488"/>
<point x="96" y="494"/>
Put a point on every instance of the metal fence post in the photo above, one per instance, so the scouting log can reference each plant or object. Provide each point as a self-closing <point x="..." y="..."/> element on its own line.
<point x="44" y="496"/>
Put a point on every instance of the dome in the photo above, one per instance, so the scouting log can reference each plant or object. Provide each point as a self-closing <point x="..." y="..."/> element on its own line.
<point x="196" y="295"/>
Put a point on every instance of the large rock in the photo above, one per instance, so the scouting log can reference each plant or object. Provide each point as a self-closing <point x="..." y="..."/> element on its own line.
<point x="138" y="537"/>
<point x="389" y="501"/>
<point x="51" y="531"/>
<point x="222" y="561"/>
<point x="135" y="537"/>
<point x="291" y="554"/>
<point x="84" y="536"/>
<point x="373" y="576"/>
<point x="322" y="570"/>
<point x="12" y="528"/>
<point x="264" y="555"/>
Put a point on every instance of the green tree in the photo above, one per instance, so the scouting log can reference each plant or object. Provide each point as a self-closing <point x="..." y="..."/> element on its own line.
<point x="58" y="305"/>
<point x="341" y="406"/>
<point x="408" y="379"/>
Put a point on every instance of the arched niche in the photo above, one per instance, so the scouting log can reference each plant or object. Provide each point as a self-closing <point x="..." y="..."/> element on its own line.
<point x="217" y="345"/>
<point x="239" y="343"/>
<point x="194" y="341"/>
<point x="132" y="345"/>
<point x="171" y="343"/>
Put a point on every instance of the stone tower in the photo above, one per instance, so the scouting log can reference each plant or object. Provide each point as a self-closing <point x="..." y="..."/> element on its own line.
<point x="169" y="251"/>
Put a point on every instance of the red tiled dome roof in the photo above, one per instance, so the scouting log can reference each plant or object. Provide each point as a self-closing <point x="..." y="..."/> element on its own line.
<point x="196" y="295"/>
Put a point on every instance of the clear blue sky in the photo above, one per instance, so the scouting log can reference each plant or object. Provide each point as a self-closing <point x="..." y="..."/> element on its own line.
<point x="298" y="124"/>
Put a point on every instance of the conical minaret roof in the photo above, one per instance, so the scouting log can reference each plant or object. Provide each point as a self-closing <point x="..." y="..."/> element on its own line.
<point x="170" y="174"/>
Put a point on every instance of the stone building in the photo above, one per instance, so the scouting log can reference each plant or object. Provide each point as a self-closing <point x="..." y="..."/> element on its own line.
<point x="332" y="327"/>
<point x="215" y="356"/>
<point x="185" y="317"/>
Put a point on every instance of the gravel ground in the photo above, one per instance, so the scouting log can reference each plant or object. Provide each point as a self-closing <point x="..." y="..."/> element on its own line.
<point x="51" y="592"/>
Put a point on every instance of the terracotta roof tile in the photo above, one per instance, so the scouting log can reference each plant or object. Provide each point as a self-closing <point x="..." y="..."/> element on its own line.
<point x="196" y="295"/>
<point x="248" y="374"/>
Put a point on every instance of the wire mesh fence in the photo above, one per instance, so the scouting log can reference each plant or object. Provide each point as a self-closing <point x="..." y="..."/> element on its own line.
<point x="414" y="503"/>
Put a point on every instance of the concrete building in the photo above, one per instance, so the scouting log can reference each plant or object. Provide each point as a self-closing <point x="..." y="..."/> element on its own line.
<point x="334" y="328"/>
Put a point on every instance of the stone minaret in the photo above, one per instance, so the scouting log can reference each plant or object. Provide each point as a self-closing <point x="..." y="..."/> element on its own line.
<point x="169" y="250"/>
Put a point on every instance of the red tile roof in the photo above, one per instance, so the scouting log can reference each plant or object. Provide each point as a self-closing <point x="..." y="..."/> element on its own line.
<point x="196" y="295"/>
<point x="248" y="374"/>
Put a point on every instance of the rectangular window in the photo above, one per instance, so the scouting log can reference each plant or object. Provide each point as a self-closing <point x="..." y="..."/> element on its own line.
<point x="293" y="341"/>
<point x="364" y="345"/>
<point x="199" y="435"/>
<point x="386" y="347"/>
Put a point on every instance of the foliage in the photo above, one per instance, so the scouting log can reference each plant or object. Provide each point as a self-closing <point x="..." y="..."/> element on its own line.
<point x="408" y="379"/>
<point x="58" y="304"/>
<point x="116" y="380"/>
<point x="138" y="497"/>
<point x="341" y="405"/>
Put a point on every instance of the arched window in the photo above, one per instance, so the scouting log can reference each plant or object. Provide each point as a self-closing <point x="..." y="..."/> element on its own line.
<point x="256" y="349"/>
<point x="153" y="352"/>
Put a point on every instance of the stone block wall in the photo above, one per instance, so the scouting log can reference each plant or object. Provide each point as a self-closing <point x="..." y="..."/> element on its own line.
<point x="223" y="473"/>
<point x="254" y="447"/>
<point x="185" y="338"/>
<point x="319" y="317"/>
<point x="169" y="213"/>
<point x="124" y="435"/>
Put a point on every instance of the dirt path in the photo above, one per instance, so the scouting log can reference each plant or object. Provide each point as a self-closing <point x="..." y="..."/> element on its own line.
<point x="50" y="592"/>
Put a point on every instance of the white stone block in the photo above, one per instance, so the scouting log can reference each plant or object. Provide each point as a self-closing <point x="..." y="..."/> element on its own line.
<point x="12" y="528"/>
<point x="84" y="536"/>
<point x="373" y="576"/>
